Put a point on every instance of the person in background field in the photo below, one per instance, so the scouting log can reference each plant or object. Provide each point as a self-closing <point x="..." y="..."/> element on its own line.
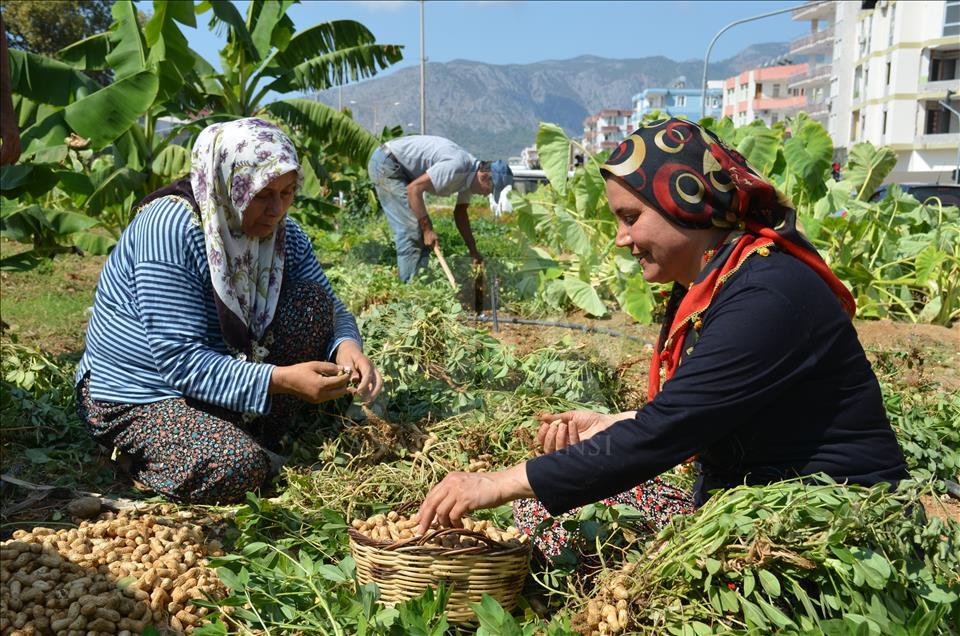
<point x="501" y="206"/>
<point x="213" y="323"/>
<point x="403" y="170"/>
<point x="9" y="132"/>
<point x="757" y="373"/>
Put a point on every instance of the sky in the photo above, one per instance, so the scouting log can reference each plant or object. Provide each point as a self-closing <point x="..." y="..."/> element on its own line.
<point x="525" y="31"/>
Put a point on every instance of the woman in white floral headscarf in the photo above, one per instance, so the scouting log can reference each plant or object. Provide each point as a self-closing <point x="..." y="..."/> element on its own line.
<point x="213" y="322"/>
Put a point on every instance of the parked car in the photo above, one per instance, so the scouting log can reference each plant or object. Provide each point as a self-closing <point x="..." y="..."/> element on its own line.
<point x="948" y="193"/>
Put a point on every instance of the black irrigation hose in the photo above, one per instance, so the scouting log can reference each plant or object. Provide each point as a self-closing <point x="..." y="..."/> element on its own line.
<point x="566" y="325"/>
<point x="953" y="488"/>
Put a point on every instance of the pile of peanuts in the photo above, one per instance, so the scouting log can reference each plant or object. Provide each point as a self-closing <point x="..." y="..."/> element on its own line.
<point x="111" y="576"/>
<point x="393" y="527"/>
<point x="480" y="464"/>
<point x="606" y="612"/>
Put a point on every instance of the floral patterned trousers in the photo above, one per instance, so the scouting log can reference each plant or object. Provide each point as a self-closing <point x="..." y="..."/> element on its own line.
<point x="191" y="451"/>
<point x="656" y="500"/>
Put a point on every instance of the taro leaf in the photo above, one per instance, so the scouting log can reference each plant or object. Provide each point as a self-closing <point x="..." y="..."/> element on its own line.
<point x="576" y="238"/>
<point x="867" y="167"/>
<point x="809" y="153"/>
<point x="931" y="310"/>
<point x="637" y="299"/>
<point x="759" y="146"/>
<point x="926" y="261"/>
<point x="583" y="295"/>
<point x="553" y="147"/>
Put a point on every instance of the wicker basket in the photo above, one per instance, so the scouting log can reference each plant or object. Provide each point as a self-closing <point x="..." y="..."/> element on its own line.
<point x="405" y="569"/>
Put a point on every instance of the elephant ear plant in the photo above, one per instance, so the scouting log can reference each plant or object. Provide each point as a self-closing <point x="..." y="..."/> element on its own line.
<point x="91" y="151"/>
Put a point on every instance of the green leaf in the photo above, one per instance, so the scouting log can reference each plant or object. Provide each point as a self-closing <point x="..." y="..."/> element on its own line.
<point x="46" y="80"/>
<point x="63" y="222"/>
<point x="583" y="295"/>
<point x="867" y="167"/>
<point x="494" y="620"/>
<point x="318" y="121"/>
<point x="329" y="54"/>
<point x="89" y="54"/>
<point x="759" y="146"/>
<point x="105" y="115"/>
<point x="172" y="163"/>
<point x="769" y="582"/>
<point x="95" y="244"/>
<point x="128" y="55"/>
<point x="637" y="300"/>
<point x="809" y="153"/>
<point x="36" y="455"/>
<point x="553" y="148"/>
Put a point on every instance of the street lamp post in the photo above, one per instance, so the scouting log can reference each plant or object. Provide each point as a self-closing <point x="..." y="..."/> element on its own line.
<point x="706" y="58"/>
<point x="423" y="63"/>
<point x="373" y="107"/>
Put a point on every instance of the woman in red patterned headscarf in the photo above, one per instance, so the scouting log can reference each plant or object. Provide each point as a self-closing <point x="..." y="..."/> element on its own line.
<point x="757" y="373"/>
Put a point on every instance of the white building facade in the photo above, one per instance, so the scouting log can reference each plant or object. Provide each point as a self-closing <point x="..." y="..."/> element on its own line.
<point x="891" y="63"/>
<point x="606" y="129"/>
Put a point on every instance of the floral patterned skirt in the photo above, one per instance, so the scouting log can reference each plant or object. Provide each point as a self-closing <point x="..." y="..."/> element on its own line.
<point x="656" y="500"/>
<point x="195" y="452"/>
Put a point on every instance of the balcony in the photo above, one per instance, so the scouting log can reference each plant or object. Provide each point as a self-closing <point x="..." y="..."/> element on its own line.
<point x="779" y="103"/>
<point x="815" y="42"/>
<point x="815" y="11"/>
<point x="940" y="88"/>
<point x="819" y="74"/>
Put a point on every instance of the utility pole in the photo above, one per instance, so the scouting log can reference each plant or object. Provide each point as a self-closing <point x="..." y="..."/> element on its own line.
<point x="423" y="65"/>
<point x="706" y="58"/>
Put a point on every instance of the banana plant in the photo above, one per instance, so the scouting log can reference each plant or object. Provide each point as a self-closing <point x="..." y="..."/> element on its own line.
<point x="97" y="150"/>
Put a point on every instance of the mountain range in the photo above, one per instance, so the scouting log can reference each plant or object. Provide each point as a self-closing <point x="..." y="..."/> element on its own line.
<point x="493" y="110"/>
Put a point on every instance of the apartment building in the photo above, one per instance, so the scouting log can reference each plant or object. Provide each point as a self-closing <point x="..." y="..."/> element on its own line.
<point x="763" y="93"/>
<point x="606" y="129"/>
<point x="680" y="99"/>
<point x="890" y="64"/>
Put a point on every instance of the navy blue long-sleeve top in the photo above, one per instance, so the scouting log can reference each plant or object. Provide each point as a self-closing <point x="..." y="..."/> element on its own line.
<point x="776" y="386"/>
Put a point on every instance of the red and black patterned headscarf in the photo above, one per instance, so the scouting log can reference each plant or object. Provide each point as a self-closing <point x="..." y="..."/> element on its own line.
<point x="696" y="181"/>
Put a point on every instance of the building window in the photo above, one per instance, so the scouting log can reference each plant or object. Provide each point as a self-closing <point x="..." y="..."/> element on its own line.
<point x="776" y="90"/>
<point x="857" y="81"/>
<point x="893" y="21"/>
<point x="884" y="123"/>
<point x="681" y="100"/>
<point x="943" y="65"/>
<point x="939" y="120"/>
<point x="855" y="125"/>
<point x="951" y="18"/>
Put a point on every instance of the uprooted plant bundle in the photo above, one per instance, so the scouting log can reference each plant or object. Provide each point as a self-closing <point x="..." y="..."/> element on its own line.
<point x="790" y="558"/>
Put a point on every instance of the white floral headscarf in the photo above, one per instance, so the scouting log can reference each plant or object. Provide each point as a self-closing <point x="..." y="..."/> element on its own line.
<point x="231" y="163"/>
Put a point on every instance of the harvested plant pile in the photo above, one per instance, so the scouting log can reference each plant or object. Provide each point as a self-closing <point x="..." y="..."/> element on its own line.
<point x="115" y="575"/>
<point x="805" y="559"/>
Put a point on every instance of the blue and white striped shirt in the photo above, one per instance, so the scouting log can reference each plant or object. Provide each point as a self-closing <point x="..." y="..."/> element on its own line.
<point x="155" y="333"/>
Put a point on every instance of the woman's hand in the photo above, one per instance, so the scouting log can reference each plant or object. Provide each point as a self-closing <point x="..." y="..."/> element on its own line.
<point x="363" y="375"/>
<point x="559" y="430"/>
<point x="461" y="493"/>
<point x="313" y="382"/>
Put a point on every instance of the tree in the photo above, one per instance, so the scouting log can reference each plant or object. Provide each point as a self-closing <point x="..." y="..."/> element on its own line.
<point x="111" y="138"/>
<point x="47" y="27"/>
